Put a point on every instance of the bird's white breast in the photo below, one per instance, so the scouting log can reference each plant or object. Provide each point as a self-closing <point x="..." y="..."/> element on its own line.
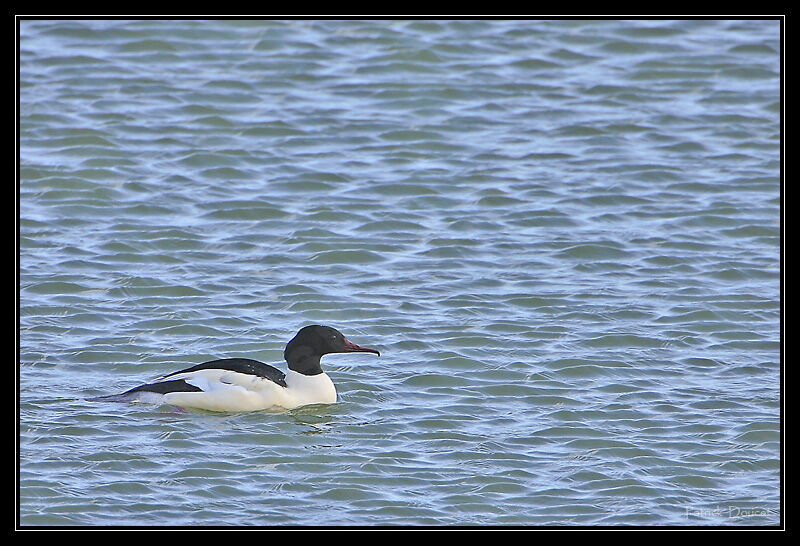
<point x="310" y="389"/>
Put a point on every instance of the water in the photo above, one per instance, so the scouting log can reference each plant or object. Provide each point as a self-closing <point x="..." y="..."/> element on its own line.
<point x="563" y="236"/>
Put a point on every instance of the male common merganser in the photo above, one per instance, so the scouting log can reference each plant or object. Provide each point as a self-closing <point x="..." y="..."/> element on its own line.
<point x="242" y="384"/>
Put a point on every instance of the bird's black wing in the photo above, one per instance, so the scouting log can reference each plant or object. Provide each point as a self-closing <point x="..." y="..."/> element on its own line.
<point x="240" y="365"/>
<point x="164" y="387"/>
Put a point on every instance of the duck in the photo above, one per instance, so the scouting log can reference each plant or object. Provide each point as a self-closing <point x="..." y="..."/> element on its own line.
<point x="243" y="384"/>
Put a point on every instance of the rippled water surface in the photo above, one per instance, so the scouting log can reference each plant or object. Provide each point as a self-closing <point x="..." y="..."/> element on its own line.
<point x="563" y="236"/>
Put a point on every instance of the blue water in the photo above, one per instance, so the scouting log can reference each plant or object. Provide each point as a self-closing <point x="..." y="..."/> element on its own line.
<point x="563" y="236"/>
